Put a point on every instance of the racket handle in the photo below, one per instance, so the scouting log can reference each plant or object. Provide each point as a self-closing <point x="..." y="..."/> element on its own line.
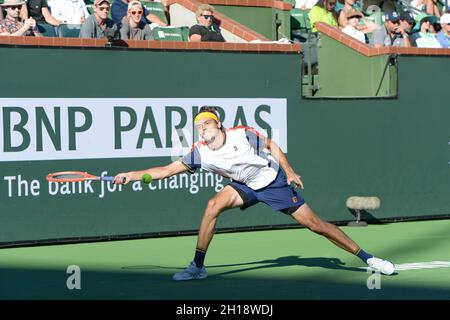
<point x="111" y="178"/>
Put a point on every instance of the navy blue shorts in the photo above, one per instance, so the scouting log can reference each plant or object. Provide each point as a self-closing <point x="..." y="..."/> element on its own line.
<point x="278" y="194"/>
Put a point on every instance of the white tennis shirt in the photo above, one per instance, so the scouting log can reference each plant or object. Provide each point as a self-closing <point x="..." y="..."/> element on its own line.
<point x="244" y="157"/>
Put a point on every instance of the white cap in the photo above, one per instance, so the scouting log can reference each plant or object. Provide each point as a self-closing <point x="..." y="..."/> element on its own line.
<point x="445" y="18"/>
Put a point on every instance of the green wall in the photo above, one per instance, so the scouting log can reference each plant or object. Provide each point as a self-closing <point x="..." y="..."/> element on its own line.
<point x="343" y="72"/>
<point x="86" y="73"/>
<point x="397" y="149"/>
<point x="260" y="19"/>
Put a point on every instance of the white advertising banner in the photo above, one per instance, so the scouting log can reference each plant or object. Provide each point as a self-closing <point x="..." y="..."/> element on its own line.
<point x="93" y="128"/>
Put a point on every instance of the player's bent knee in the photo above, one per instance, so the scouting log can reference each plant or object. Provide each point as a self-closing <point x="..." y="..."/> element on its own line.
<point x="315" y="226"/>
<point x="213" y="208"/>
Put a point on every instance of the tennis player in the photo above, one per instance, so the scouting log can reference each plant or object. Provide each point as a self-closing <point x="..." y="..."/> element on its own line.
<point x="259" y="172"/>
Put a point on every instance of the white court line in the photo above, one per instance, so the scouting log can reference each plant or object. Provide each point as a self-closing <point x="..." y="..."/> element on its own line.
<point x="418" y="265"/>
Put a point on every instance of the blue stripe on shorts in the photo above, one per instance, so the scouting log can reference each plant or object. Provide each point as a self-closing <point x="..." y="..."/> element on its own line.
<point x="278" y="195"/>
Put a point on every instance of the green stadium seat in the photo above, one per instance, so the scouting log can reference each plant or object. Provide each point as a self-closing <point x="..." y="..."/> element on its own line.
<point x="185" y="32"/>
<point x="300" y="19"/>
<point x="377" y="17"/>
<point x="441" y="5"/>
<point x="170" y="33"/>
<point x="68" y="30"/>
<point x="47" y="30"/>
<point x="156" y="8"/>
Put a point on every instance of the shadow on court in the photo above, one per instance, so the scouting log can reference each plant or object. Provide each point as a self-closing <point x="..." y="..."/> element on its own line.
<point x="288" y="261"/>
<point x="329" y="279"/>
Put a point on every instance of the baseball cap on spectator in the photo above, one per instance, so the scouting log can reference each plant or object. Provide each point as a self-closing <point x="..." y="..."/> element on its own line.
<point x="134" y="3"/>
<point x="7" y="3"/>
<point x="353" y="13"/>
<point x="97" y="2"/>
<point x="393" y="16"/>
<point x="445" y="18"/>
<point x="408" y="17"/>
<point x="421" y="17"/>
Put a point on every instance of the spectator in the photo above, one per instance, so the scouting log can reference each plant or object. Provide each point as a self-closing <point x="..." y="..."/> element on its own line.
<point x="38" y="9"/>
<point x="407" y="21"/>
<point x="119" y="10"/>
<point x="69" y="11"/>
<point x="305" y="4"/>
<point x="443" y="37"/>
<point x="206" y="29"/>
<point x="132" y="26"/>
<point x="426" y="37"/>
<point x="23" y="12"/>
<point x="11" y="26"/>
<point x="364" y="25"/>
<point x="98" y="25"/>
<point x="428" y="6"/>
<point x="391" y="34"/>
<point x="323" y="11"/>
<point x="353" y="16"/>
<point x="348" y="6"/>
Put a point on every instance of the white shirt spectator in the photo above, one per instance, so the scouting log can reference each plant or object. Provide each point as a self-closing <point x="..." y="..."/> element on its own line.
<point x="70" y="11"/>
<point x="305" y="4"/>
<point x="427" y="40"/>
<point x="354" y="33"/>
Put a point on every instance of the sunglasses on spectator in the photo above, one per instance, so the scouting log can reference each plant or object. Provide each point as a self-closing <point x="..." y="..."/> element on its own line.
<point x="103" y="8"/>
<point x="332" y="3"/>
<point x="15" y="7"/>
<point x="208" y="16"/>
<point x="136" y="12"/>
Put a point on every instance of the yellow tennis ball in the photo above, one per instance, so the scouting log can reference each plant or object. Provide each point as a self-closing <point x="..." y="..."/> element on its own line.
<point x="146" y="178"/>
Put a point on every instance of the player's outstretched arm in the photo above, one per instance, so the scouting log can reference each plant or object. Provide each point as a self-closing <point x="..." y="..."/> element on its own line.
<point x="156" y="173"/>
<point x="278" y="154"/>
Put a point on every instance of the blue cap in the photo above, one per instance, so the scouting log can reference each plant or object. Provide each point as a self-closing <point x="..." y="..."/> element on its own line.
<point x="393" y="16"/>
<point x="407" y="16"/>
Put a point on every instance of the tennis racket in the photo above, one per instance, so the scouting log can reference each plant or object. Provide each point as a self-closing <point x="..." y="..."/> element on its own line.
<point x="75" y="176"/>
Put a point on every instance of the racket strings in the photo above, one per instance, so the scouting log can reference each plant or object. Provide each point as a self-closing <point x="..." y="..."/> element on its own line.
<point x="68" y="176"/>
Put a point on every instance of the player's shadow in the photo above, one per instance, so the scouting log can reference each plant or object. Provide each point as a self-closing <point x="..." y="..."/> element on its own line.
<point x="288" y="261"/>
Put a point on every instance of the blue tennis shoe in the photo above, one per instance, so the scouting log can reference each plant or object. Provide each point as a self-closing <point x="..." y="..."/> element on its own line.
<point x="192" y="272"/>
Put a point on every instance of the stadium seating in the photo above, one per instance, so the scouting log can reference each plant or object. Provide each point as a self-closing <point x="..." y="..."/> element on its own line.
<point x="156" y="8"/>
<point x="300" y="19"/>
<point x="68" y="30"/>
<point x="47" y="30"/>
<point x="171" y="33"/>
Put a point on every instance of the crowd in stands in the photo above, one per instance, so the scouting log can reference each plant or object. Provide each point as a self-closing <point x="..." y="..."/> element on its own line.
<point x="403" y="23"/>
<point x="112" y="19"/>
